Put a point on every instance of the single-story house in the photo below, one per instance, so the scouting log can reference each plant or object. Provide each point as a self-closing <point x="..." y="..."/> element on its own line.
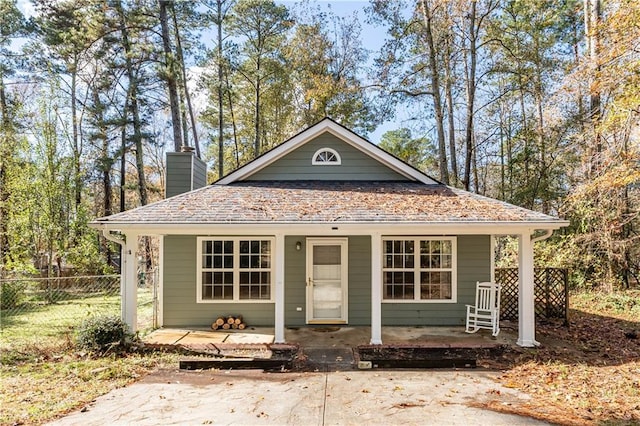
<point x="325" y="228"/>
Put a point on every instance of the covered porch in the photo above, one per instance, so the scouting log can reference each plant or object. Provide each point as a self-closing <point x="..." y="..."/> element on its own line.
<point x="375" y="332"/>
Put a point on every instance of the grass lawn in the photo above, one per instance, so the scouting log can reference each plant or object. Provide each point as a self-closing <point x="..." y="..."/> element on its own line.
<point x="42" y="375"/>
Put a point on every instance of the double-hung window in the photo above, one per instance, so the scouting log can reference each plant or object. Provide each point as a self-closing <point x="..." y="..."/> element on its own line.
<point x="419" y="269"/>
<point x="235" y="269"/>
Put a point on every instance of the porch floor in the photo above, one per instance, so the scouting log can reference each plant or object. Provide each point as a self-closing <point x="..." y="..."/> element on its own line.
<point x="334" y="337"/>
<point x="334" y="347"/>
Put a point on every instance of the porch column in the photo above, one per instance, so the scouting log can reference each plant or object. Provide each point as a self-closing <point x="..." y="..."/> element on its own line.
<point x="159" y="302"/>
<point x="129" y="282"/>
<point x="526" y="297"/>
<point x="376" y="289"/>
<point x="279" y="289"/>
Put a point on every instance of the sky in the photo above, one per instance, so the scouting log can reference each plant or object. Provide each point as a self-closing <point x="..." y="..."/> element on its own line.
<point x="372" y="39"/>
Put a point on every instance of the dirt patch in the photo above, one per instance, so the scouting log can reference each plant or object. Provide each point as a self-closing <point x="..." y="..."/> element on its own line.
<point x="582" y="374"/>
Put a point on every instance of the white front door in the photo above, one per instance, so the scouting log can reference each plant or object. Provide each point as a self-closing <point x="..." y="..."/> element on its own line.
<point x="327" y="280"/>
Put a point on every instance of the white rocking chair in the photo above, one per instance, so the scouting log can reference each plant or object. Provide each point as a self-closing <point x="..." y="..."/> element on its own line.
<point x="486" y="312"/>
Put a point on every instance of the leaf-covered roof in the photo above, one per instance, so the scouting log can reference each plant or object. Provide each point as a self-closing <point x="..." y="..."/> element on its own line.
<point x="326" y="201"/>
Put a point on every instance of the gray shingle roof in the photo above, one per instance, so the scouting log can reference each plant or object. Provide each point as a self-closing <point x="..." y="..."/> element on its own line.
<point x="326" y="201"/>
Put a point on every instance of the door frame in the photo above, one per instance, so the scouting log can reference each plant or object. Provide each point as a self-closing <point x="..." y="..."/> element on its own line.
<point x="343" y="242"/>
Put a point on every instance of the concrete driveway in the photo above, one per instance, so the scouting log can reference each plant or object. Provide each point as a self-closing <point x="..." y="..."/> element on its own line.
<point x="336" y="398"/>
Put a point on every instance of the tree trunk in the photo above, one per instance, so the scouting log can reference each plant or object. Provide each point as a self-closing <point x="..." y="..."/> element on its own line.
<point x="132" y="96"/>
<point x="592" y="17"/>
<point x="77" y="177"/>
<point x="123" y="159"/>
<point x="233" y="122"/>
<point x="105" y="164"/>
<point x="448" y="90"/>
<point x="471" y="95"/>
<point x="257" y="114"/>
<point x="187" y="97"/>
<point x="5" y="253"/>
<point x="437" y="99"/>
<point x="220" y="94"/>
<point x="170" y="77"/>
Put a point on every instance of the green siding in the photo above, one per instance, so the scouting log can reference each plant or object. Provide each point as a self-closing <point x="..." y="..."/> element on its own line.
<point x="474" y="264"/>
<point x="360" y="280"/>
<point x="295" y="282"/>
<point x="181" y="310"/>
<point x="180" y="176"/>
<point x="356" y="165"/>
<point x="179" y="292"/>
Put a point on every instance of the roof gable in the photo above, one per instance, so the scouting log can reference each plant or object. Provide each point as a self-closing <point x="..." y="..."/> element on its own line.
<point x="395" y="169"/>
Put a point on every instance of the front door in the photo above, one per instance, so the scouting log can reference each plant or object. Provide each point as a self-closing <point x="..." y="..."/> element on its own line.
<point x="327" y="280"/>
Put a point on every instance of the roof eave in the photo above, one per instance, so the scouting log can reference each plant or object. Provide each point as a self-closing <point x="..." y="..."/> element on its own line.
<point x="467" y="227"/>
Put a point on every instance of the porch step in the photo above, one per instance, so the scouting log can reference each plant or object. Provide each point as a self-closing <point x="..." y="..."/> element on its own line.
<point x="421" y="356"/>
<point x="327" y="359"/>
<point x="235" y="363"/>
<point x="272" y="357"/>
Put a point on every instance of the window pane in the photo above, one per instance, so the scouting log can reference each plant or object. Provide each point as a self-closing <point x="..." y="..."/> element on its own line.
<point x="408" y="246"/>
<point x="409" y="261"/>
<point x="388" y="247"/>
<point x="228" y="246"/>
<point x="244" y="246"/>
<point x="398" y="285"/>
<point x="244" y="261"/>
<point x="217" y="246"/>
<point x="265" y="261"/>
<point x="435" y="285"/>
<point x="446" y="247"/>
<point x="228" y="261"/>
<point x="446" y="261"/>
<point x="265" y="247"/>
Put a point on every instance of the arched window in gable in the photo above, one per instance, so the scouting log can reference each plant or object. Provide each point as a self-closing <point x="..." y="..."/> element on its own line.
<point x="326" y="157"/>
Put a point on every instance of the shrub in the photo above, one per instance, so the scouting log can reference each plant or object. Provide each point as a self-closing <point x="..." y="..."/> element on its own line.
<point x="102" y="333"/>
<point x="11" y="294"/>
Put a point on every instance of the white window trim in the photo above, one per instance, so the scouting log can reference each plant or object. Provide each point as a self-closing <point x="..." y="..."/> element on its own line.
<point x="417" y="269"/>
<point x="236" y="269"/>
<point x="338" y="161"/>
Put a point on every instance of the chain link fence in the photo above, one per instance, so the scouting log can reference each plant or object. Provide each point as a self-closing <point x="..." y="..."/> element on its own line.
<point x="40" y="311"/>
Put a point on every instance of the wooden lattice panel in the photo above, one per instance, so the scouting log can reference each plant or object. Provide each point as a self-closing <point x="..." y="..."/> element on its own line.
<point x="550" y="292"/>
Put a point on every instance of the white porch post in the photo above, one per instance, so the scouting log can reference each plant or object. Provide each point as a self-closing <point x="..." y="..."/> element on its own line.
<point x="159" y="302"/>
<point x="279" y="289"/>
<point x="526" y="298"/>
<point x="129" y="282"/>
<point x="376" y="289"/>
